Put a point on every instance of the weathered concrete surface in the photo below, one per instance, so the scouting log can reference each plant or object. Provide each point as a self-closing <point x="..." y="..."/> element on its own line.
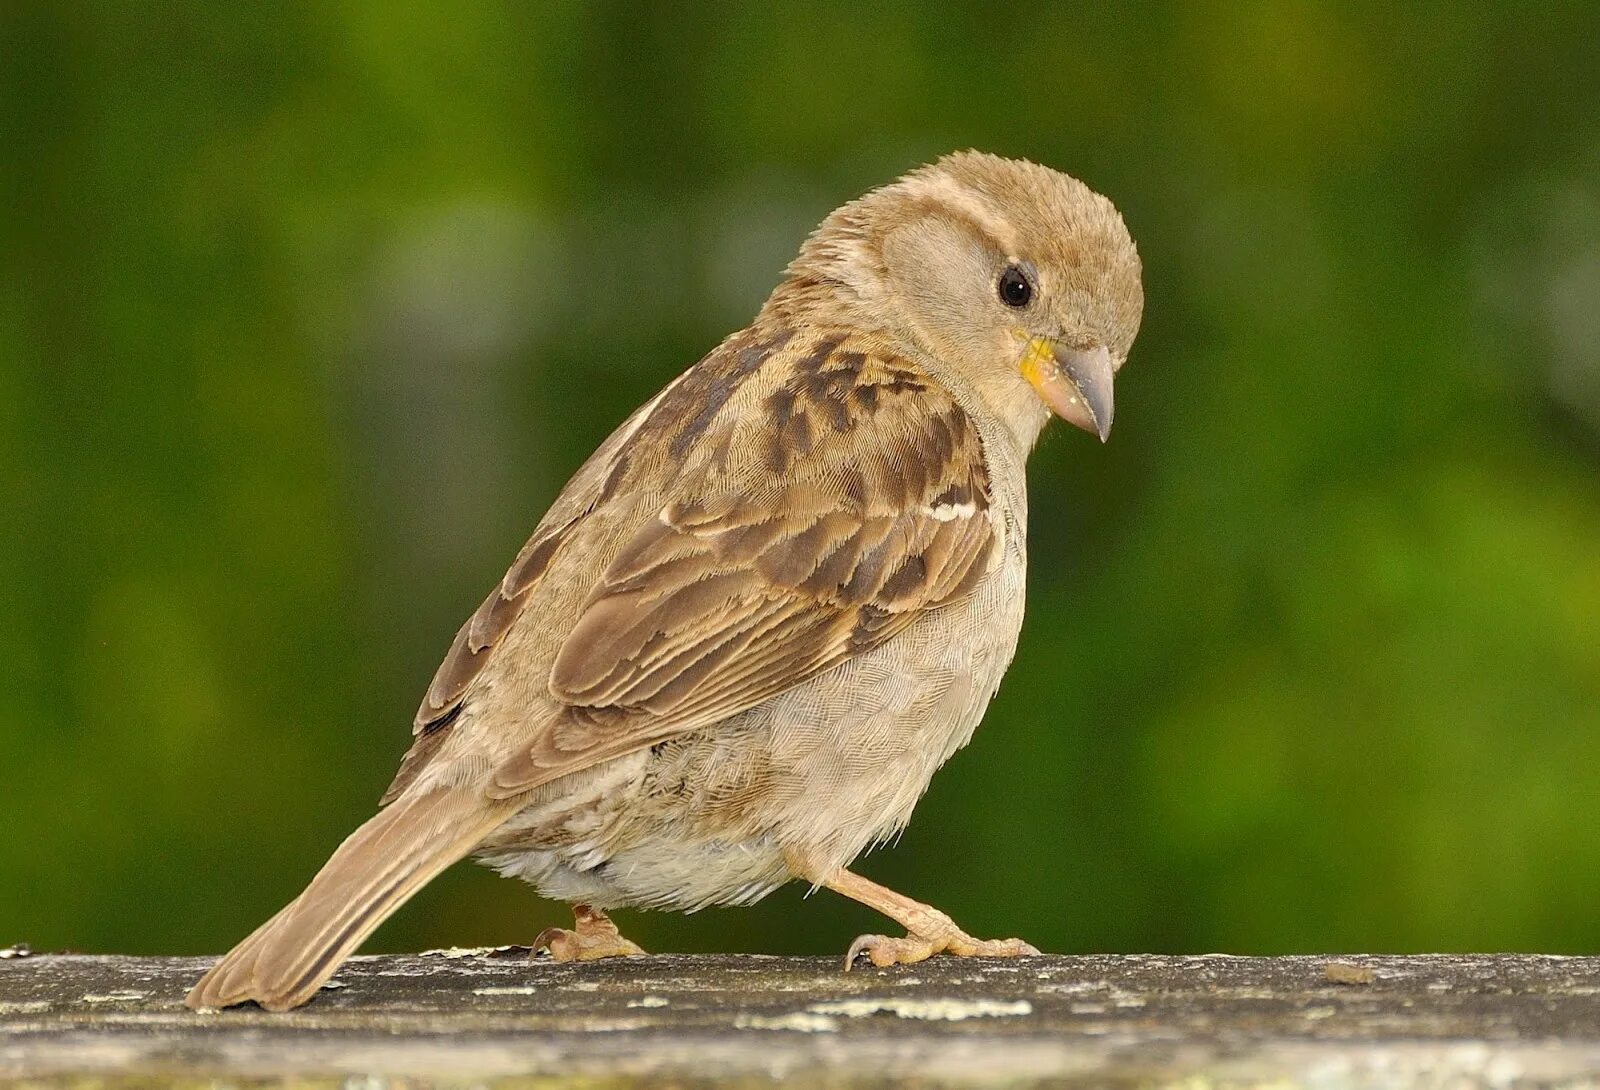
<point x="495" y="1018"/>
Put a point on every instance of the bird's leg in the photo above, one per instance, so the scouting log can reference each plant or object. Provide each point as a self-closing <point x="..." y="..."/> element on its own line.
<point x="593" y="936"/>
<point x="928" y="931"/>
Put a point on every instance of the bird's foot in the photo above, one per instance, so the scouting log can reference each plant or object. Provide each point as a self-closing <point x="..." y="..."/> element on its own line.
<point x="593" y="936"/>
<point x="928" y="931"/>
<point x="946" y="938"/>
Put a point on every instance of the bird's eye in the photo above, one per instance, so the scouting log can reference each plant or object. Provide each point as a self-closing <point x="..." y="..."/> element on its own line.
<point x="1015" y="291"/>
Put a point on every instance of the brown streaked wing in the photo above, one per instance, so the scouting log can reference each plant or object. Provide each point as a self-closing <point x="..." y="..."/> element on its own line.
<point x="673" y="418"/>
<point x="776" y="563"/>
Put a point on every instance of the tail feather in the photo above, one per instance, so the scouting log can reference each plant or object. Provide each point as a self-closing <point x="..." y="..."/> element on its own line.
<point x="374" y="872"/>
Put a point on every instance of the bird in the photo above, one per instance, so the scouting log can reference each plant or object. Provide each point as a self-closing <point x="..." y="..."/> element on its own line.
<point x="771" y="604"/>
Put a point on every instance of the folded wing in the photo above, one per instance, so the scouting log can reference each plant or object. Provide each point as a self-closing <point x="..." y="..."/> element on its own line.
<point x="847" y="494"/>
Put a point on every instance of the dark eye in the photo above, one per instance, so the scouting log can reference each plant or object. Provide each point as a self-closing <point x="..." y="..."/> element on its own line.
<point x="1015" y="291"/>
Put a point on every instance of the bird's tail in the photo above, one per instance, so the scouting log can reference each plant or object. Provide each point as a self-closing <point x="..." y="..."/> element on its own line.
<point x="374" y="872"/>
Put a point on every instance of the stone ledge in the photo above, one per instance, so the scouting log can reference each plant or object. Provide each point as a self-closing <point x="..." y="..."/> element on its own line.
<point x="494" y="1017"/>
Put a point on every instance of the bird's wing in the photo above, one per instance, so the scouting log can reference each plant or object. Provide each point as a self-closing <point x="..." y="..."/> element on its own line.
<point x="821" y="493"/>
<point x="595" y="483"/>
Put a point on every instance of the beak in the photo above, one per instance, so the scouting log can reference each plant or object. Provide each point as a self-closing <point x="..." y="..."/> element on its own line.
<point x="1074" y="382"/>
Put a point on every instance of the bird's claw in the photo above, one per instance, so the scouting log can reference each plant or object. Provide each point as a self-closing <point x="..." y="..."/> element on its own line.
<point x="885" y="950"/>
<point x="595" y="937"/>
<point x="567" y="945"/>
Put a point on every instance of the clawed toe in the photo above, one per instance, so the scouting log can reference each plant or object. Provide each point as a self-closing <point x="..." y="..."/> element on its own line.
<point x="998" y="948"/>
<point x="565" y="945"/>
<point x="595" y="937"/>
<point x="886" y="950"/>
<point x="928" y="931"/>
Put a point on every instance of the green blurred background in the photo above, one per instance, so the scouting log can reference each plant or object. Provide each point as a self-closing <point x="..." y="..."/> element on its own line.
<point x="308" y="311"/>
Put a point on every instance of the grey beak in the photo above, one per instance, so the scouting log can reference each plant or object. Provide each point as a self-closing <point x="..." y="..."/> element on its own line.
<point x="1091" y="372"/>
<point x="1076" y="384"/>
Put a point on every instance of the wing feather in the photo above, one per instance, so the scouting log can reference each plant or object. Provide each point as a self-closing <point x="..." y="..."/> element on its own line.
<point x="835" y="493"/>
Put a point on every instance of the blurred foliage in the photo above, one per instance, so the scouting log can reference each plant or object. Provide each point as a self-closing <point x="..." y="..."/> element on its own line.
<point x="309" y="311"/>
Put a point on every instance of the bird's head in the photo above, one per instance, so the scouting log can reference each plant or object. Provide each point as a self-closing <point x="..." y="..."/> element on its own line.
<point x="1019" y="278"/>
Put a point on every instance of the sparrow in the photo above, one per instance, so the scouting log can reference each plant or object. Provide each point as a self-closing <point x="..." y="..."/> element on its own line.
<point x="771" y="604"/>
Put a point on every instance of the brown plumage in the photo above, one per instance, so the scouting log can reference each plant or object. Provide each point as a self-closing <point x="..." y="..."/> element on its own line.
<point x="376" y="869"/>
<point x="772" y="603"/>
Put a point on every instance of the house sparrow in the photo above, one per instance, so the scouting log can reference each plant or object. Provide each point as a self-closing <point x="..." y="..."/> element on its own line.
<point x="771" y="604"/>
